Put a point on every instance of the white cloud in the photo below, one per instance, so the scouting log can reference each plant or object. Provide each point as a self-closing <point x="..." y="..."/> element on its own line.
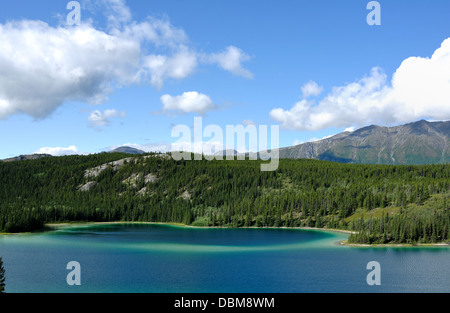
<point x="350" y="129"/>
<point x="313" y="139"/>
<point x="200" y="147"/>
<point x="311" y="89"/>
<point x="117" y="12"/>
<point x="188" y="102"/>
<point x="291" y="119"/>
<point x="178" y="66"/>
<point x="249" y="122"/>
<point x="58" y="151"/>
<point x="297" y="142"/>
<point x="159" y="32"/>
<point x="420" y="88"/>
<point x="99" y="119"/>
<point x="231" y="60"/>
<point x="44" y="66"/>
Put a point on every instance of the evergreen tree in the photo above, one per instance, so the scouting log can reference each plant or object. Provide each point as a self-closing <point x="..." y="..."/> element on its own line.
<point x="228" y="193"/>
<point x="2" y="277"/>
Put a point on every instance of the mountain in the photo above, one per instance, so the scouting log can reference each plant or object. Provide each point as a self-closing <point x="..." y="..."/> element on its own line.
<point x="417" y="143"/>
<point x="129" y="150"/>
<point x="226" y="153"/>
<point x="27" y="157"/>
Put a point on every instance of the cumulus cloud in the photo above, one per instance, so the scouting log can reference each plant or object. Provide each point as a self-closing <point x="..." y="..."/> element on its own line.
<point x="420" y="88"/>
<point x="311" y="89"/>
<point x="41" y="67"/>
<point x="58" y="151"/>
<point x="44" y="66"/>
<point x="161" y="67"/>
<point x="350" y="129"/>
<point x="117" y="12"/>
<point x="188" y="102"/>
<point x="101" y="119"/>
<point x="231" y="60"/>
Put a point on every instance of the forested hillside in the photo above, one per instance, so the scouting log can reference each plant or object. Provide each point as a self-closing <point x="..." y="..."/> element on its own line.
<point x="383" y="203"/>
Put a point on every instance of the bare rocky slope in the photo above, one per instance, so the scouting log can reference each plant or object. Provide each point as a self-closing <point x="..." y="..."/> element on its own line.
<point x="420" y="142"/>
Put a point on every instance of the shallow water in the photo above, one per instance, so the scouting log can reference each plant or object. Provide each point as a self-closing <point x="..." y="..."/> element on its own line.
<point x="161" y="258"/>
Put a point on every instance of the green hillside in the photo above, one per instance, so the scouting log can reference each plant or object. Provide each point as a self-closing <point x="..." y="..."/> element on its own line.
<point x="378" y="201"/>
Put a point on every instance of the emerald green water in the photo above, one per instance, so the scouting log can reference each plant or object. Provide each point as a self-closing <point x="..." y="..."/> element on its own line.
<point x="159" y="258"/>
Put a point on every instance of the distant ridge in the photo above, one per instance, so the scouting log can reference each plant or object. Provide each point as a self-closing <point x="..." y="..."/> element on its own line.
<point x="224" y="153"/>
<point x="27" y="157"/>
<point x="416" y="143"/>
<point x="129" y="150"/>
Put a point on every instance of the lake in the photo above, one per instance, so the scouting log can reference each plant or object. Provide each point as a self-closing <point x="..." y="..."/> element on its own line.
<point x="155" y="258"/>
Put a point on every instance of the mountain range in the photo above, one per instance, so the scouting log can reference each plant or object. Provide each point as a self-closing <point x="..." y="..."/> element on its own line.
<point x="420" y="142"/>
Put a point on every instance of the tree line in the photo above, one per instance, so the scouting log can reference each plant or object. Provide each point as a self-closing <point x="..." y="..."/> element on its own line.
<point x="228" y="193"/>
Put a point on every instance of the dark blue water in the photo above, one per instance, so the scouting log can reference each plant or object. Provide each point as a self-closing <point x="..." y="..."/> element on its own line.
<point x="157" y="258"/>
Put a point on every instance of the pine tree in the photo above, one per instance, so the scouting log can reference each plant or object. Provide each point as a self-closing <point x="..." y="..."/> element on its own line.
<point x="2" y="276"/>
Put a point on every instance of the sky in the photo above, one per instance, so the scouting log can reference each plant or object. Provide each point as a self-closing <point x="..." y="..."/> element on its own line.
<point x="119" y="72"/>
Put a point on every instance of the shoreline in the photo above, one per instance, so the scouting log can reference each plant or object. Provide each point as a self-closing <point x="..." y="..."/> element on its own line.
<point x="54" y="226"/>
<point x="396" y="245"/>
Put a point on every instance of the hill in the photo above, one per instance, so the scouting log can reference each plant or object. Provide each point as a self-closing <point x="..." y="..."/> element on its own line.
<point x="27" y="157"/>
<point x="155" y="188"/>
<point x="128" y="150"/>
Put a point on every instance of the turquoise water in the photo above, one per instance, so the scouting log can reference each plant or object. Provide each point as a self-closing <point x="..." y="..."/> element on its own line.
<point x="169" y="259"/>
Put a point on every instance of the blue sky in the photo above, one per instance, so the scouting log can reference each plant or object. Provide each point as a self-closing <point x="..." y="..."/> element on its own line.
<point x="134" y="69"/>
